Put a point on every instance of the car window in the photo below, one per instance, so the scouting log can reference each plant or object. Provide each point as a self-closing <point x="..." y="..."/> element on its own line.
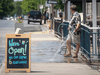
<point x="35" y="12"/>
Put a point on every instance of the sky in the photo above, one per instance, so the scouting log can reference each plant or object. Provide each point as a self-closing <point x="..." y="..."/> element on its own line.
<point x="17" y="0"/>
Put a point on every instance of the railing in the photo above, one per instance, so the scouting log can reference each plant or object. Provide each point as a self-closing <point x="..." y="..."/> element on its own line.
<point x="90" y="40"/>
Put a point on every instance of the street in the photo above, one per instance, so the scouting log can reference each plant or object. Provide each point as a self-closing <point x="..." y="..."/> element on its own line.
<point x="6" y="27"/>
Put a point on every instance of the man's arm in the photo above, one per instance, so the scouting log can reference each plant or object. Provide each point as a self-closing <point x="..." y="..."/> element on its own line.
<point x="71" y="21"/>
<point x="78" y="25"/>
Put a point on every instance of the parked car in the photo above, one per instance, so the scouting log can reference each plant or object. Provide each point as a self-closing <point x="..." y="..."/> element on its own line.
<point x="8" y="18"/>
<point x="35" y="16"/>
<point x="11" y="18"/>
<point x="4" y="18"/>
<point x="25" y="17"/>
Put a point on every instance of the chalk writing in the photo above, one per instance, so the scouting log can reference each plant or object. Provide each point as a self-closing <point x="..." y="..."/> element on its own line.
<point x="22" y="57"/>
<point x="11" y="50"/>
<point x="19" y="62"/>
<point x="11" y="43"/>
<point x="18" y="53"/>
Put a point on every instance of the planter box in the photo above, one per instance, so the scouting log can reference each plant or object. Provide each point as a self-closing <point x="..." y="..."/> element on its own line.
<point x="27" y="28"/>
<point x="19" y="25"/>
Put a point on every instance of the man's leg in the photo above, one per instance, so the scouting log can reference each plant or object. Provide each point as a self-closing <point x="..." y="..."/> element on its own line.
<point x="68" y="48"/>
<point x="77" y="50"/>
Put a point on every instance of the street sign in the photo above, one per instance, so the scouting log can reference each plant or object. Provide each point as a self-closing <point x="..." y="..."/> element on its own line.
<point x="17" y="52"/>
<point x="52" y="2"/>
<point x="46" y="4"/>
<point x="41" y="6"/>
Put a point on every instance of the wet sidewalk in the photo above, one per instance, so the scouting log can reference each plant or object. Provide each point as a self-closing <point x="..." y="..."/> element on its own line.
<point x="55" y="69"/>
<point x="45" y="45"/>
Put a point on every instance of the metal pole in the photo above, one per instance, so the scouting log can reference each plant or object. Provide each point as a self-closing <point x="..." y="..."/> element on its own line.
<point x="49" y="10"/>
<point x="41" y="4"/>
<point x="84" y="11"/>
<point x="94" y="25"/>
<point x="52" y="16"/>
<point x="65" y="9"/>
<point x="69" y="10"/>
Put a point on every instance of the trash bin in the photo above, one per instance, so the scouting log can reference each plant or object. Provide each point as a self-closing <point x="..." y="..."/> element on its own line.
<point x="57" y="22"/>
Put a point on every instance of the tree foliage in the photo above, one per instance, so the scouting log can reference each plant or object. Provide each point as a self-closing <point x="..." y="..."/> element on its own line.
<point x="18" y="9"/>
<point x="79" y="6"/>
<point x="6" y="6"/>
<point x="60" y="5"/>
<point x="28" y="5"/>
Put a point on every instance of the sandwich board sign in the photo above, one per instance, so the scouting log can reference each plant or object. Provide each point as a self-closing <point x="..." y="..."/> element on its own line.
<point x="17" y="53"/>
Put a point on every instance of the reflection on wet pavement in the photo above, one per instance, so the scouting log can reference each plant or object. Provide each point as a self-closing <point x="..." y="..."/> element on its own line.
<point x="43" y="51"/>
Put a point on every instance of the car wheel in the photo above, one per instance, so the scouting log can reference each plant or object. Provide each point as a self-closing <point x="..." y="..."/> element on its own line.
<point x="41" y="23"/>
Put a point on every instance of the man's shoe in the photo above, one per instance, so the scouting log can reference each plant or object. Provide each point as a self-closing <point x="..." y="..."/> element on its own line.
<point x="67" y="55"/>
<point x="75" y="56"/>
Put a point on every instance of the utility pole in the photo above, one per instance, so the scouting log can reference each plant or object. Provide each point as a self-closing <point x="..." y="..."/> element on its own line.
<point x="41" y="4"/>
<point x="84" y="11"/>
<point x="66" y="10"/>
<point x="49" y="10"/>
<point x="52" y="17"/>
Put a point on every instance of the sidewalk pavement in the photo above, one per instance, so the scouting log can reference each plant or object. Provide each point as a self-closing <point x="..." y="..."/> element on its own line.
<point x="55" y="69"/>
<point x="43" y="47"/>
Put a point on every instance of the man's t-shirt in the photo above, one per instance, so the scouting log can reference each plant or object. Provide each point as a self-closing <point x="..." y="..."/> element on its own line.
<point x="76" y="19"/>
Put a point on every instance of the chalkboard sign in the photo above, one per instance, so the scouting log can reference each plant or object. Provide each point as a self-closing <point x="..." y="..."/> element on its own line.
<point x="17" y="52"/>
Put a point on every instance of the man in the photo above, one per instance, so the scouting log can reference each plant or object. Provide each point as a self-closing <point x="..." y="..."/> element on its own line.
<point x="47" y="15"/>
<point x="76" y="24"/>
<point x="60" y="14"/>
<point x="44" y="14"/>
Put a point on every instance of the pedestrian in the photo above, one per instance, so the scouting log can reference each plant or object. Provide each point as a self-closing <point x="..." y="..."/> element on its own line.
<point x="44" y="16"/>
<point x="76" y="24"/>
<point x="47" y="15"/>
<point x="61" y="14"/>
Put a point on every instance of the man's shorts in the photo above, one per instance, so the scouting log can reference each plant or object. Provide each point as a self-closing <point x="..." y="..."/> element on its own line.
<point x="73" y="38"/>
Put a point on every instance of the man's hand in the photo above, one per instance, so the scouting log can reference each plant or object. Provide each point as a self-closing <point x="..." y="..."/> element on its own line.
<point x="75" y="30"/>
<point x="69" y="28"/>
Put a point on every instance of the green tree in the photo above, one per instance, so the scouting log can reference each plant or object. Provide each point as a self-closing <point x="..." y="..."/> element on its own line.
<point x="28" y="5"/>
<point x="18" y="9"/>
<point x="60" y="5"/>
<point x="1" y="11"/>
<point x="79" y="5"/>
<point x="6" y="7"/>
